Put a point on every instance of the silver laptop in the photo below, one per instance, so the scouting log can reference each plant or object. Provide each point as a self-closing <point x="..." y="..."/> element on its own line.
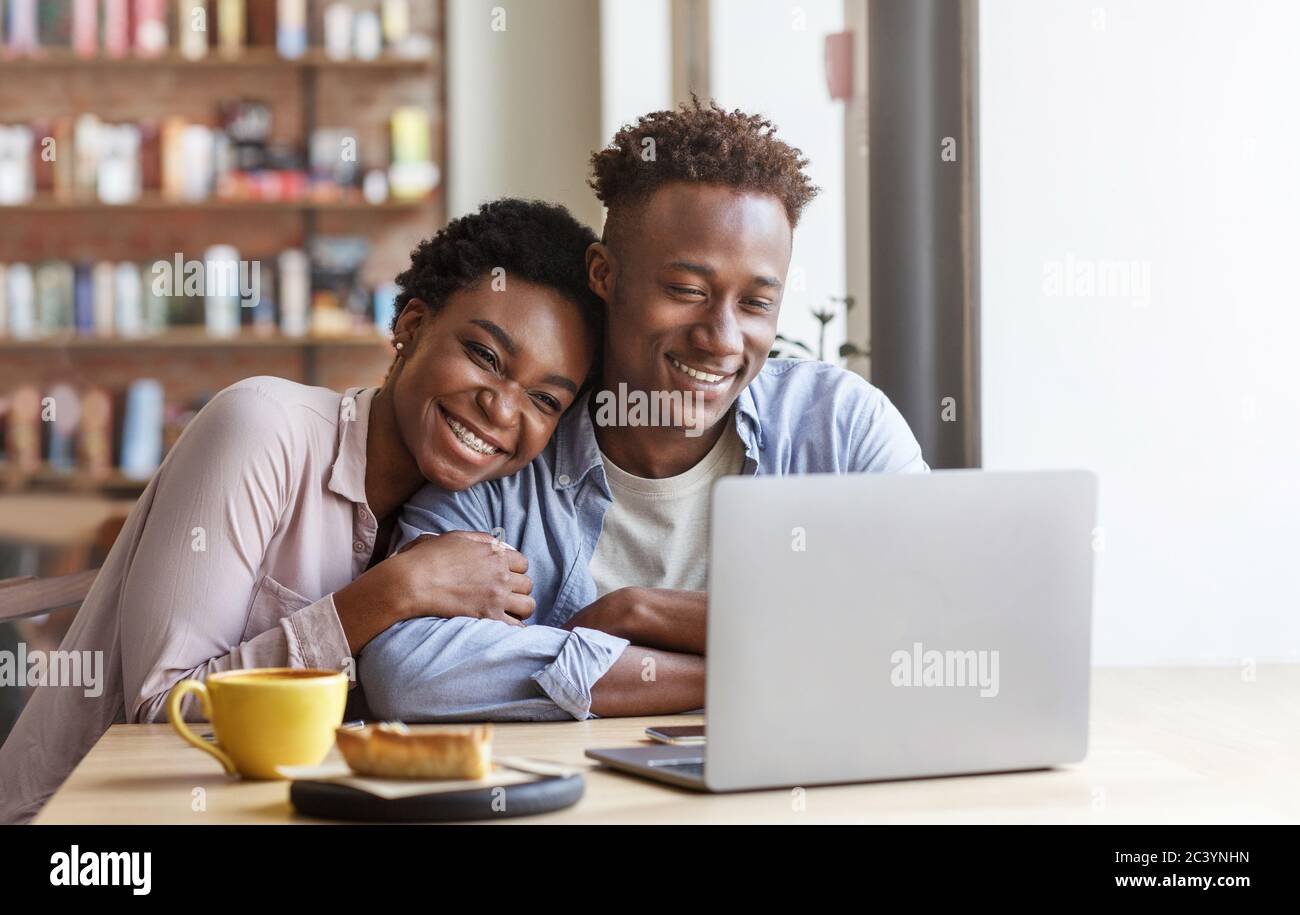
<point x="877" y="626"/>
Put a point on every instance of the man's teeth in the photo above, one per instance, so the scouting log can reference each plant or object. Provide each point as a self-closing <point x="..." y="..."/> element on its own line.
<point x="469" y="438"/>
<point x="695" y="373"/>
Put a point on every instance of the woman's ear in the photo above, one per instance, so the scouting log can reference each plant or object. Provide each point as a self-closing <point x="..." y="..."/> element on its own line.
<point x="407" y="328"/>
<point x="600" y="271"/>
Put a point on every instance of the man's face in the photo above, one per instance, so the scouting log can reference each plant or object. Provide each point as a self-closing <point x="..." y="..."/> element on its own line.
<point x="693" y="281"/>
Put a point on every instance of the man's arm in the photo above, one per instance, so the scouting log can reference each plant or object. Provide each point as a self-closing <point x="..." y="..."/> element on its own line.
<point x="884" y="443"/>
<point x="662" y="618"/>
<point x="467" y="669"/>
<point x="462" y="669"/>
<point x="645" y="681"/>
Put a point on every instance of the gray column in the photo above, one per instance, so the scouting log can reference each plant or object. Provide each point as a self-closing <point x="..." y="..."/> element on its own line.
<point x="924" y="256"/>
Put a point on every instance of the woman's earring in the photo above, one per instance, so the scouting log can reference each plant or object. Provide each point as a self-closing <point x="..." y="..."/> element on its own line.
<point x="398" y="346"/>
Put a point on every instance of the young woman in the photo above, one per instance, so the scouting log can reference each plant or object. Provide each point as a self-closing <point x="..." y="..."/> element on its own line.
<point x="258" y="542"/>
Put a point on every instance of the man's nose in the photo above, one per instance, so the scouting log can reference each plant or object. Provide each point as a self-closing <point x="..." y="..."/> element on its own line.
<point x="719" y="333"/>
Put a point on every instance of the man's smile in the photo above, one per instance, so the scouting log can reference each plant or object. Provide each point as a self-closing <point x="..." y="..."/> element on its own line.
<point x="699" y="374"/>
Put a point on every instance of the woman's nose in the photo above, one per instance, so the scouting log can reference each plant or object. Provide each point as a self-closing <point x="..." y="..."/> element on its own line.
<point x="499" y="404"/>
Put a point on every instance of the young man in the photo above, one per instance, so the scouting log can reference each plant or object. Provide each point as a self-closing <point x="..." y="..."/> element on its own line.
<point x="613" y="515"/>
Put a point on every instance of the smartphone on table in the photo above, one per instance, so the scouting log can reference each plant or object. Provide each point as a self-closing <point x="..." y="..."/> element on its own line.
<point x="681" y="735"/>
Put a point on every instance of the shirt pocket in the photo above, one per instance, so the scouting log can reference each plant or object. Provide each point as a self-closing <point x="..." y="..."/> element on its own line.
<point x="271" y="603"/>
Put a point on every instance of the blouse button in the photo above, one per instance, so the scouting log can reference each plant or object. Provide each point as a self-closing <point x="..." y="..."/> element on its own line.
<point x="563" y="479"/>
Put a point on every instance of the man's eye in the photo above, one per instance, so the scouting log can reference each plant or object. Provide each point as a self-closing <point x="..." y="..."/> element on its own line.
<point x="483" y="353"/>
<point x="684" y="290"/>
<point x="759" y="304"/>
<point x="547" y="400"/>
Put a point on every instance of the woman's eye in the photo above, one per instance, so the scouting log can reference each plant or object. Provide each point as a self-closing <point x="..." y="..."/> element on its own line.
<point x="483" y="353"/>
<point x="548" y="401"/>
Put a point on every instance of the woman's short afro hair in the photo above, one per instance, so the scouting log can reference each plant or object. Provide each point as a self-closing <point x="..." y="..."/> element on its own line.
<point x="701" y="143"/>
<point x="531" y="240"/>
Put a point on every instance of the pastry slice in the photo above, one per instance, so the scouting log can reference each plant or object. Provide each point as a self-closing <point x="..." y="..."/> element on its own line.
<point x="395" y="751"/>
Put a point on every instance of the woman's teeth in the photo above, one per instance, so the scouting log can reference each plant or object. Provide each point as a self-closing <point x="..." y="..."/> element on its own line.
<point x="470" y="440"/>
<point x="695" y="373"/>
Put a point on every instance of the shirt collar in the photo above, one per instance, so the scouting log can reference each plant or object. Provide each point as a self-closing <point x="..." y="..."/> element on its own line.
<point x="747" y="423"/>
<point x="577" y="454"/>
<point x="348" y="473"/>
<point x="576" y="451"/>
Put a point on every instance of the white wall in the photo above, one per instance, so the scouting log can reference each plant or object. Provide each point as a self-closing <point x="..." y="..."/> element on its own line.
<point x="1161" y="134"/>
<point x="768" y="56"/>
<point x="528" y="105"/>
<point x="636" y="61"/>
<point x="524" y="104"/>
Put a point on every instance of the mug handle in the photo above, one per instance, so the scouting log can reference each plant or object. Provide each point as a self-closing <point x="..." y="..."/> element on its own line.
<point x="178" y="694"/>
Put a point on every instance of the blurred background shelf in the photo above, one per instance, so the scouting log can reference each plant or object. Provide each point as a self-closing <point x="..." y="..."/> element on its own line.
<point x="159" y="204"/>
<point x="295" y="106"/>
<point x="190" y="337"/>
<point x="48" y="481"/>
<point x="253" y="58"/>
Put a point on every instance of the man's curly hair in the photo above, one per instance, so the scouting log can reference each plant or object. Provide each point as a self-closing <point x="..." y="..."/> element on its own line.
<point x="531" y="240"/>
<point x="701" y="143"/>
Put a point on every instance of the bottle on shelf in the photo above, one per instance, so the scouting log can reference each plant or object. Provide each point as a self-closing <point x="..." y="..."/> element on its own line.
<point x="142" y="424"/>
<point x="21" y="295"/>
<point x="295" y="292"/>
<point x="127" y="311"/>
<point x="192" y="28"/>
<point x="230" y="27"/>
<point x="85" y="27"/>
<point x="64" y="420"/>
<point x="17" y="178"/>
<point x="291" y="28"/>
<point x="117" y="28"/>
<point x="221" y="290"/>
<point x="150" y="27"/>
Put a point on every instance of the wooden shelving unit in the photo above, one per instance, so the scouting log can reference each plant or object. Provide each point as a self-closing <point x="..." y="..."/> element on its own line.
<point x="190" y="337"/>
<point x="316" y="59"/>
<point x="48" y="480"/>
<point x="156" y="203"/>
<point x="308" y="91"/>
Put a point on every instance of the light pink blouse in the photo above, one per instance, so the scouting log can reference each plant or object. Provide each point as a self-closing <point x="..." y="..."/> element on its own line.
<point x="229" y="560"/>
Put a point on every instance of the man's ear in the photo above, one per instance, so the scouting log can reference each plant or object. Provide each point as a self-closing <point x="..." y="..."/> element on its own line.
<point x="407" y="328"/>
<point x="600" y="270"/>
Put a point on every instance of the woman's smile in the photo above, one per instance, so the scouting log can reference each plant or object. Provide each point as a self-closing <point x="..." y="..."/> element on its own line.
<point x="464" y="442"/>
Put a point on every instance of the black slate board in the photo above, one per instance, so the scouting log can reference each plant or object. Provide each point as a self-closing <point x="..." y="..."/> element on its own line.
<point x="340" y="802"/>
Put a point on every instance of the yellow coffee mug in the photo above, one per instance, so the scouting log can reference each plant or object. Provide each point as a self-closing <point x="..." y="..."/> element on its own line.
<point x="264" y="718"/>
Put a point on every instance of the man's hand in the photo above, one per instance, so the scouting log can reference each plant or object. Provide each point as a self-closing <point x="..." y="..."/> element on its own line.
<point x="615" y="613"/>
<point x="651" y="617"/>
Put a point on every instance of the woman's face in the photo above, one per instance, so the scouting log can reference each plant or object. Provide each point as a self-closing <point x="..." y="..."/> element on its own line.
<point x="482" y="383"/>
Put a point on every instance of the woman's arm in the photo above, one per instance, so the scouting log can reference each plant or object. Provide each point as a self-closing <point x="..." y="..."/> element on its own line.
<point x="217" y="501"/>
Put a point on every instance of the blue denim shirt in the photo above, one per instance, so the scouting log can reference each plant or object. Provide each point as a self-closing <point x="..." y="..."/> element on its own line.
<point x="794" y="417"/>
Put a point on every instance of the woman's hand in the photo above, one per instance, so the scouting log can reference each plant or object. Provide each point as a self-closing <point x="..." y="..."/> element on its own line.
<point x="460" y="573"/>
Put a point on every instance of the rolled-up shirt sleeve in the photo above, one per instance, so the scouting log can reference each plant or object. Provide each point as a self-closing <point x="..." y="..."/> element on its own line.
<point x="465" y="669"/>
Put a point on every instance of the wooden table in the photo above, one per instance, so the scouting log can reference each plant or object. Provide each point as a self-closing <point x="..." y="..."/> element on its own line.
<point x="1169" y="745"/>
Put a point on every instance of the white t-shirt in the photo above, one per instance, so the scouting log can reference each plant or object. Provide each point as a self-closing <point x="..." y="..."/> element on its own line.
<point x="656" y="533"/>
